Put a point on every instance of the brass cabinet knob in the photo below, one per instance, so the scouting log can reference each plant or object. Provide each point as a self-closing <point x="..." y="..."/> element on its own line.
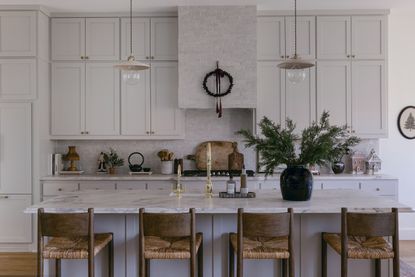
<point x="4" y="197"/>
<point x="82" y="133"/>
<point x="147" y="57"/>
<point x="87" y="133"/>
<point x="353" y="56"/>
<point x="152" y="57"/>
<point x="348" y="56"/>
<point x="287" y="56"/>
<point x="59" y="189"/>
<point x="377" y="189"/>
<point x="147" y="132"/>
<point x="86" y="58"/>
<point x="152" y="133"/>
<point x="82" y="57"/>
<point x="353" y="131"/>
<point x="282" y="57"/>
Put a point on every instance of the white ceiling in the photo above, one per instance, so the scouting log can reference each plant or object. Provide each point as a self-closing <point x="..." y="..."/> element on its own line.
<point x="169" y="5"/>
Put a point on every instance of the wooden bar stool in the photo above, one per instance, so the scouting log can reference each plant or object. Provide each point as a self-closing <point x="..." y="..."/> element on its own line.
<point x="262" y="236"/>
<point x="71" y="236"/>
<point x="169" y="236"/>
<point x="363" y="237"/>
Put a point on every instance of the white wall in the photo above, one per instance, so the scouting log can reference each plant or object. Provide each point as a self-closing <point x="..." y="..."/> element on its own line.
<point x="398" y="153"/>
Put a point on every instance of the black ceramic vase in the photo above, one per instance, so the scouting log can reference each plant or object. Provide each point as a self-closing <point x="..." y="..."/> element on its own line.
<point x="296" y="183"/>
<point x="338" y="167"/>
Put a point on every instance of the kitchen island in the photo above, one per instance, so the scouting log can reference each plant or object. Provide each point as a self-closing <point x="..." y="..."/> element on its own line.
<point x="117" y="212"/>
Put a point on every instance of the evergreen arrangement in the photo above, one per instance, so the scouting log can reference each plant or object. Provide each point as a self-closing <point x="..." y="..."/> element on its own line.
<point x="112" y="159"/>
<point x="319" y="143"/>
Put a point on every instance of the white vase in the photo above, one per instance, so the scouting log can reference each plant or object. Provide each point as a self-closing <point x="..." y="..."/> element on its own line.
<point x="166" y="167"/>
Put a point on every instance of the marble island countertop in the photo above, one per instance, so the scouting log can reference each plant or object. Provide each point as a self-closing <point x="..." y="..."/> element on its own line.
<point x="161" y="177"/>
<point x="125" y="202"/>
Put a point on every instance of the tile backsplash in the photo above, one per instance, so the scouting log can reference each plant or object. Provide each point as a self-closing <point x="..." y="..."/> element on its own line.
<point x="201" y="125"/>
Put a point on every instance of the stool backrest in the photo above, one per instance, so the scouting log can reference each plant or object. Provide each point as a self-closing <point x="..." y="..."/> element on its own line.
<point x="167" y="225"/>
<point x="265" y="225"/>
<point x="371" y="224"/>
<point x="65" y="225"/>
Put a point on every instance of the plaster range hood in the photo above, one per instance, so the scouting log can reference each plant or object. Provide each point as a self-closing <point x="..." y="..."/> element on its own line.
<point x="227" y="34"/>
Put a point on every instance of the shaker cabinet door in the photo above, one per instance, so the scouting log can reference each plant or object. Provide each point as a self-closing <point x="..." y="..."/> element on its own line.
<point x="333" y="37"/>
<point x="166" y="117"/>
<point x="271" y="85"/>
<point x="103" y="39"/>
<point x="141" y="38"/>
<point x="369" y="37"/>
<point x="15" y="148"/>
<point x="16" y="226"/>
<point x="67" y="103"/>
<point x="306" y="37"/>
<point x="369" y="118"/>
<point x="164" y="39"/>
<point x="17" y="79"/>
<point x="334" y="91"/>
<point x="68" y="39"/>
<point x="270" y="38"/>
<point x="102" y="99"/>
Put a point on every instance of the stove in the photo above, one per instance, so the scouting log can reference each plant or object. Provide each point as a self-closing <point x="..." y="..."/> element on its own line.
<point x="216" y="173"/>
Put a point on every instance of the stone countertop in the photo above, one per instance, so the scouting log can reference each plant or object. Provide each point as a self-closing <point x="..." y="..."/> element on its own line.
<point x="125" y="202"/>
<point x="161" y="177"/>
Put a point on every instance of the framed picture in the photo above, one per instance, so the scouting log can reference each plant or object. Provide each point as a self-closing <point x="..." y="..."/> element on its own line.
<point x="406" y="122"/>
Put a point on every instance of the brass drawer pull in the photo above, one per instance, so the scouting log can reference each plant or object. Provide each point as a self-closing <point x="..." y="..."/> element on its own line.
<point x="4" y="197"/>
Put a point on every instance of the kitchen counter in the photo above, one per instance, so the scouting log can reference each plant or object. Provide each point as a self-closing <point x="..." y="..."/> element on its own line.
<point x="161" y="177"/>
<point x="117" y="212"/>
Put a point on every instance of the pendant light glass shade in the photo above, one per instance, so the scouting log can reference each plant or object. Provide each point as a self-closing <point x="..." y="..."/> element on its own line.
<point x="295" y="66"/>
<point x="130" y="68"/>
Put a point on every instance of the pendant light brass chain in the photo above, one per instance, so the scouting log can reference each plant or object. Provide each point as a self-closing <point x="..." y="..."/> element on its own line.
<point x="131" y="27"/>
<point x="295" y="28"/>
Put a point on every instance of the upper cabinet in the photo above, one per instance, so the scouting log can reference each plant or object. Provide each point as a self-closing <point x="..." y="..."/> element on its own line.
<point x="17" y="79"/>
<point x="75" y="39"/>
<point x="17" y="34"/>
<point x="153" y="38"/>
<point x="275" y="37"/>
<point x="351" y="37"/>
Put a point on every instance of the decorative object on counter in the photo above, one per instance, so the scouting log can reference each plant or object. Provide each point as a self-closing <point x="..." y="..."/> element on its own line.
<point x="244" y="184"/>
<point x="71" y="156"/>
<point x="56" y="164"/>
<point x="337" y="164"/>
<point x="130" y="68"/>
<point x="209" y="185"/>
<point x="235" y="159"/>
<point x="217" y="173"/>
<point x="338" y="167"/>
<point x="131" y="173"/>
<point x="406" y="122"/>
<point x="65" y="172"/>
<point x="373" y="163"/>
<point x="314" y="169"/>
<point x="220" y="154"/>
<point x="358" y="162"/>
<point x="218" y="74"/>
<point x="224" y="194"/>
<point x="135" y="167"/>
<point x="230" y="185"/>
<point x="178" y="188"/>
<point x="102" y="166"/>
<point x="319" y="144"/>
<point x="166" y="158"/>
<point x="295" y="66"/>
<point x="113" y="161"/>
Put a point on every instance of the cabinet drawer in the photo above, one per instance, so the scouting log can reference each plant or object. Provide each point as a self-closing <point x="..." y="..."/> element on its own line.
<point x="159" y="185"/>
<point x="16" y="226"/>
<point x="131" y="185"/>
<point x="269" y="184"/>
<point x="104" y="185"/>
<point x="338" y="184"/>
<point x="380" y="187"/>
<point x="50" y="189"/>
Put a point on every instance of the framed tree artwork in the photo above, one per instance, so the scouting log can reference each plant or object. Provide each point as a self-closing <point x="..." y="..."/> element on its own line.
<point x="406" y="122"/>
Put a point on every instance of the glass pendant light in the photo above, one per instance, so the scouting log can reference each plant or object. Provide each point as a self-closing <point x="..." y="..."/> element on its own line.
<point x="130" y="68"/>
<point x="295" y="66"/>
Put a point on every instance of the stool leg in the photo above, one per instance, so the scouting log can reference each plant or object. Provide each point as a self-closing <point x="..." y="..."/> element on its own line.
<point x="111" y="258"/>
<point x="39" y="265"/>
<point x="58" y="268"/>
<point x="323" y="257"/>
<point x="396" y="267"/>
<point x="284" y="267"/>
<point x="147" y="268"/>
<point x="343" y="266"/>
<point x="231" y="260"/>
<point x="91" y="268"/>
<point x="377" y="268"/>
<point x="200" y="260"/>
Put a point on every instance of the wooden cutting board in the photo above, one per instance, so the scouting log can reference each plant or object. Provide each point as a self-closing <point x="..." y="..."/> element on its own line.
<point x="220" y="153"/>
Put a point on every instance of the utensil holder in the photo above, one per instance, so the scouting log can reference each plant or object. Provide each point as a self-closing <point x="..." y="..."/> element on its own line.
<point x="167" y="167"/>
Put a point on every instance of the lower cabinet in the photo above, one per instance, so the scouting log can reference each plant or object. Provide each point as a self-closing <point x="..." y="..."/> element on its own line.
<point x="16" y="226"/>
<point x="97" y="185"/>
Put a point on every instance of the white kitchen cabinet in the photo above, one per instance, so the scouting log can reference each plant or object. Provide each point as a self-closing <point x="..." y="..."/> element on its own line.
<point x="306" y="37"/>
<point x="17" y="79"/>
<point x="333" y="37"/>
<point x="15" y="148"/>
<point x="160" y="185"/>
<point x="369" y="37"/>
<point x="369" y="99"/>
<point x="17" y="33"/>
<point x="334" y="91"/>
<point x="67" y="100"/>
<point x="103" y="39"/>
<point x="97" y="185"/>
<point x="338" y="184"/>
<point x="58" y="188"/>
<point x="132" y="185"/>
<point x="141" y="38"/>
<point x="271" y="86"/>
<point x="380" y="187"/>
<point x="16" y="226"/>
<point x="68" y="38"/>
<point x="102" y="99"/>
<point x="298" y="101"/>
<point x="164" y="39"/>
<point x="85" y="39"/>
<point x="136" y="106"/>
<point x="166" y="118"/>
<point x="271" y="38"/>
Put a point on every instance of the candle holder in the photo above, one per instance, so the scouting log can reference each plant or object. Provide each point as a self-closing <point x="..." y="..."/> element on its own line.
<point x="209" y="189"/>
